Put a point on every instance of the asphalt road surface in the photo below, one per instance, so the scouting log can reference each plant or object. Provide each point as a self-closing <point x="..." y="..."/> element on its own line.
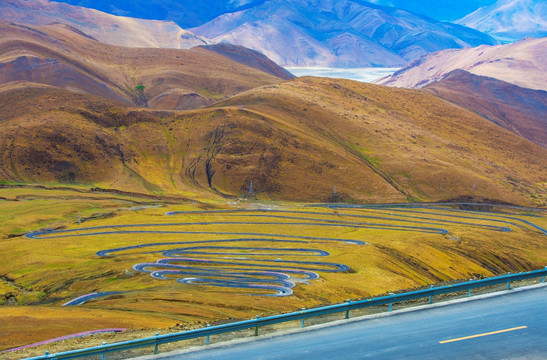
<point x="512" y="326"/>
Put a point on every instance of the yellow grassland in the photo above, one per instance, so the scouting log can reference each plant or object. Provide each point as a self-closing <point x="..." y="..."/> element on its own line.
<point x="42" y="274"/>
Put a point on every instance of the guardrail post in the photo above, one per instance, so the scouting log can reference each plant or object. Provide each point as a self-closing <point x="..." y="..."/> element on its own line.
<point x="347" y="311"/>
<point x="47" y="353"/>
<point x="509" y="282"/>
<point x="390" y="304"/>
<point x="207" y="338"/>
<point x="469" y="290"/>
<point x="256" y="328"/>
<point x="156" y="346"/>
<point x="431" y="296"/>
<point x="543" y="278"/>
<point x="103" y="355"/>
<point x="303" y="320"/>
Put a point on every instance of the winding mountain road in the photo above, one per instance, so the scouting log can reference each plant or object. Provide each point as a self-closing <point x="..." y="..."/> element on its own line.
<point x="254" y="267"/>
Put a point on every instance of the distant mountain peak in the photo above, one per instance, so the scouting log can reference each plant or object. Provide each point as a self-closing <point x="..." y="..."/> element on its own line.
<point x="345" y="33"/>
<point x="522" y="63"/>
<point x="510" y="20"/>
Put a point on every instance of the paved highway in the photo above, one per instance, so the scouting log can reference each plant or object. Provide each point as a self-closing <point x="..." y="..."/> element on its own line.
<point x="512" y="326"/>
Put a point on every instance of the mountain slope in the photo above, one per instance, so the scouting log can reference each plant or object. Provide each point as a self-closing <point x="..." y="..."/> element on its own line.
<point x="522" y="111"/>
<point x="442" y="10"/>
<point x="338" y="34"/>
<point x="510" y="20"/>
<point x="184" y="12"/>
<point x="159" y="78"/>
<point x="110" y="29"/>
<point x="295" y="140"/>
<point x="195" y="13"/>
<point x="250" y="58"/>
<point x="523" y="63"/>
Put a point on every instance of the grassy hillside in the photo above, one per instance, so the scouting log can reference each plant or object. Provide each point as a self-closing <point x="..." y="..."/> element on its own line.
<point x="295" y="140"/>
<point x="159" y="78"/>
<point x="411" y="140"/>
<point x="516" y="109"/>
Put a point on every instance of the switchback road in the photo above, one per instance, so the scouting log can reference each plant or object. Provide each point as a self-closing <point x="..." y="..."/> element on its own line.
<point x="271" y="270"/>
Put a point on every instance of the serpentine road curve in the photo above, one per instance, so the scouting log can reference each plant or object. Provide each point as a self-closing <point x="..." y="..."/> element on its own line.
<point x="197" y="262"/>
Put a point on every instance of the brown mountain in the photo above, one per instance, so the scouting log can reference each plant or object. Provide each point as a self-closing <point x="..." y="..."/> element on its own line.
<point x="522" y="63"/>
<point x="520" y="110"/>
<point x="62" y="56"/>
<point x="295" y="140"/>
<point x="110" y="29"/>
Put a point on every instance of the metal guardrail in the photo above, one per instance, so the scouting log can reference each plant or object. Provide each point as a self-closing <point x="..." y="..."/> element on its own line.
<point x="299" y="315"/>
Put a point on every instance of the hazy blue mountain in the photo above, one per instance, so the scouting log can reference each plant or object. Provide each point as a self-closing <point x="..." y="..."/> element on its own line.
<point x="445" y="10"/>
<point x="185" y="13"/>
<point x="344" y="33"/>
<point x="510" y="20"/>
<point x="194" y="13"/>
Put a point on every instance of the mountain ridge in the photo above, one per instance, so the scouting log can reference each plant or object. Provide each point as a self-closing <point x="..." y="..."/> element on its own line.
<point x="110" y="29"/>
<point x="519" y="110"/>
<point x="348" y="33"/>
<point x="292" y="139"/>
<point x="442" y="10"/>
<point x="158" y="78"/>
<point x="522" y="63"/>
<point x="321" y="31"/>
<point x="510" y="20"/>
<point x="185" y="13"/>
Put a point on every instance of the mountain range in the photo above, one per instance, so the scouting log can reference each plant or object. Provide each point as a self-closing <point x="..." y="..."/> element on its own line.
<point x="442" y="10"/>
<point x="510" y="20"/>
<point x="519" y="110"/>
<point x="69" y="115"/>
<point x="213" y="118"/>
<point x="195" y="13"/>
<point x="183" y="12"/>
<point x="347" y="33"/>
<point x="320" y="33"/>
<point x="522" y="63"/>
<point x="110" y="29"/>
<point x="61" y="56"/>
<point x="344" y="33"/>
<point x="505" y="84"/>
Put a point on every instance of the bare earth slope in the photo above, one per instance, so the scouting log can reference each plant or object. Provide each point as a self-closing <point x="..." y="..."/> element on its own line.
<point x="522" y="111"/>
<point x="250" y="58"/>
<point x="159" y="78"/>
<point x="523" y="63"/>
<point x="294" y="140"/>
<point x="110" y="29"/>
